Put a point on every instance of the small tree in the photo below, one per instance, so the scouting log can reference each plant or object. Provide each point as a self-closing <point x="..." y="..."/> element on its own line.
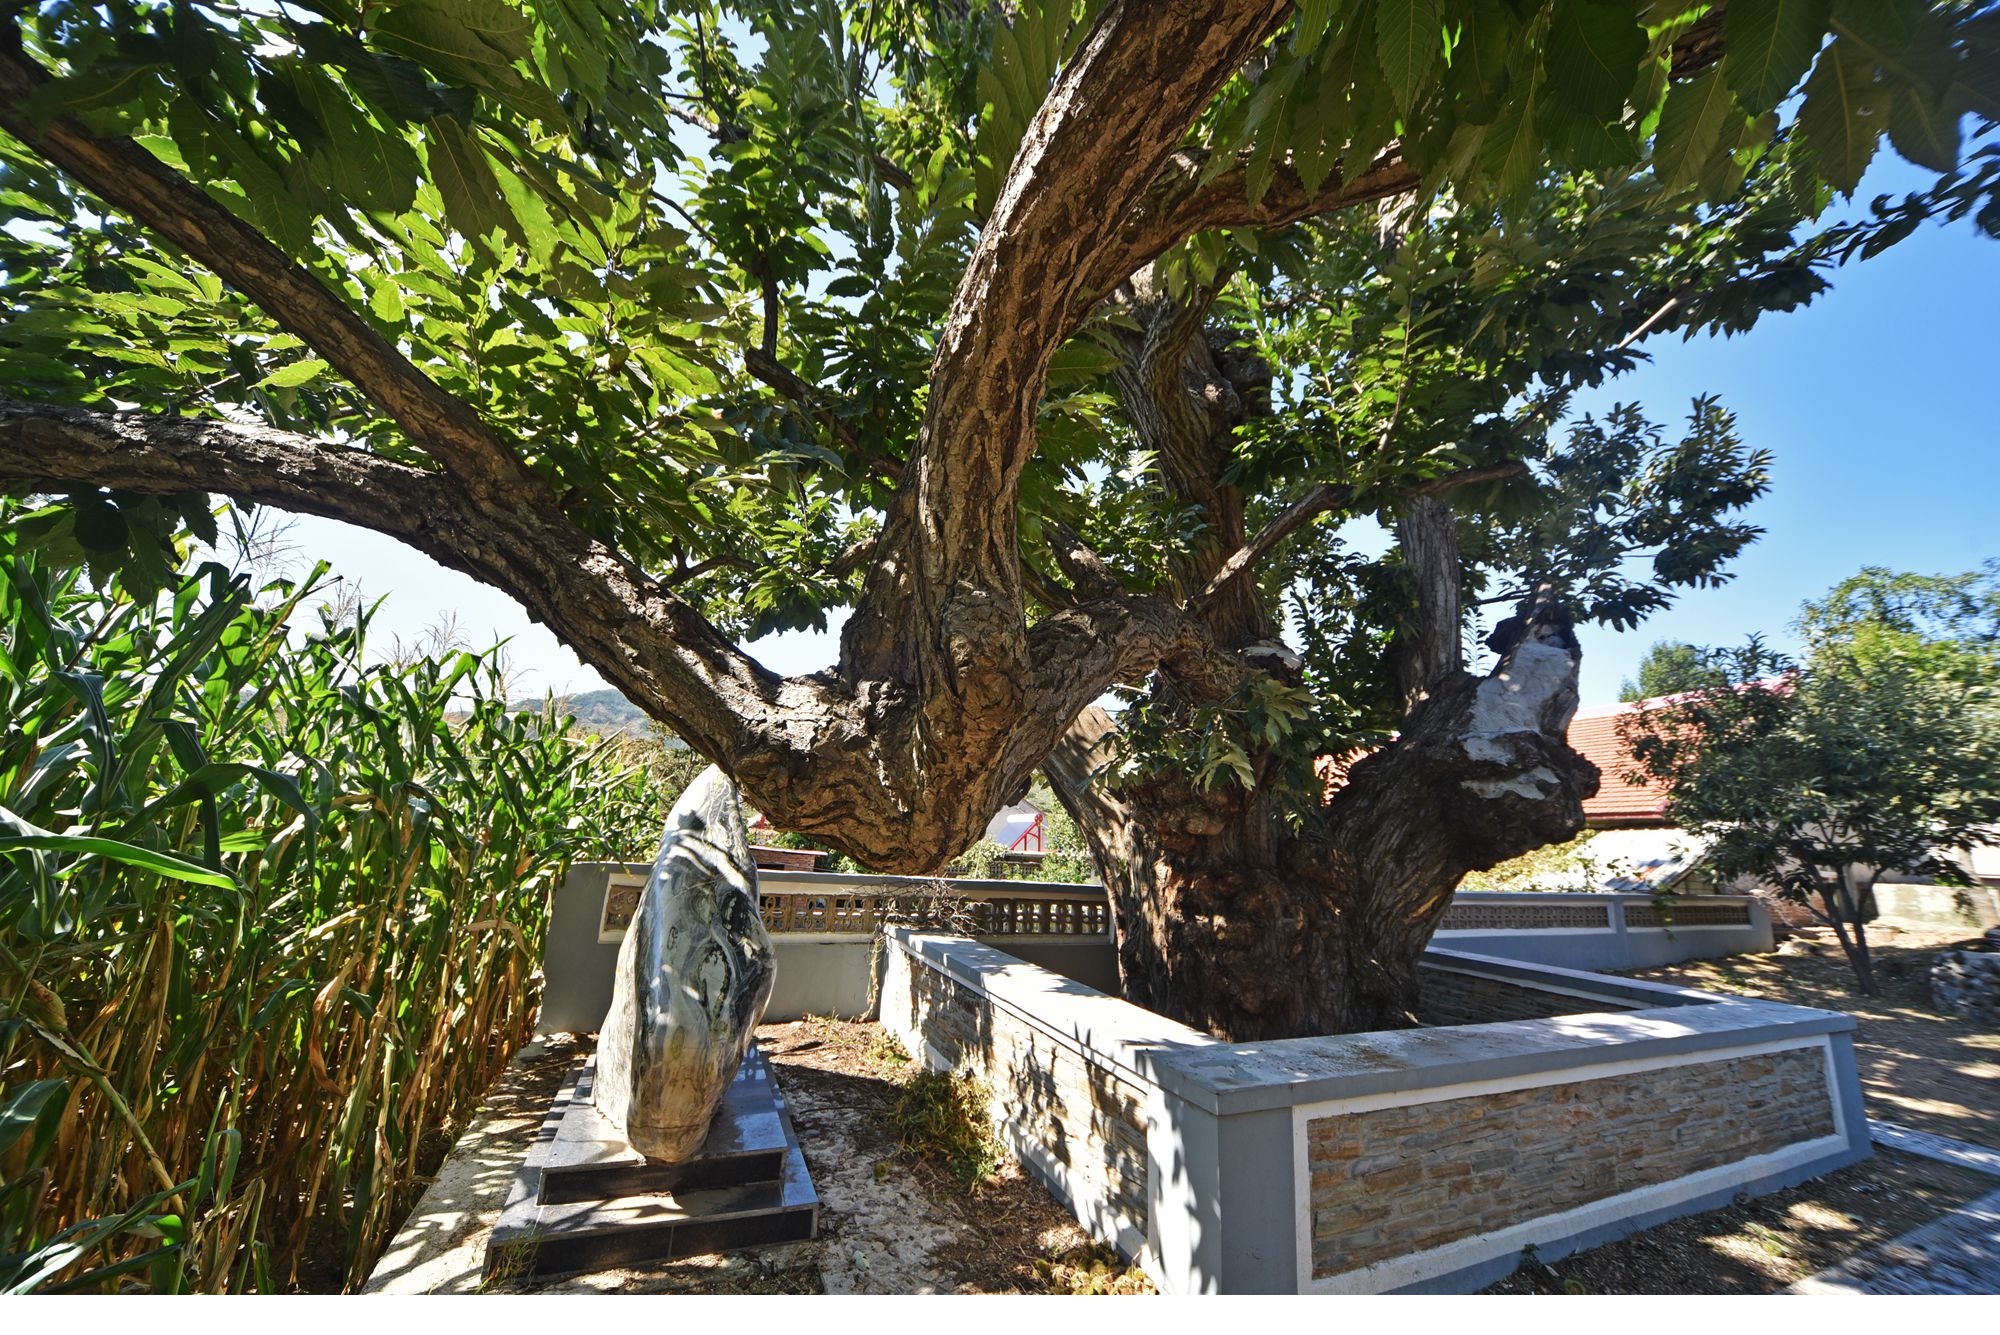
<point x="1669" y="668"/>
<point x="1873" y="754"/>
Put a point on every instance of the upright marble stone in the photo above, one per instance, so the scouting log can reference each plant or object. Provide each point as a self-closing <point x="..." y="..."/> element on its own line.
<point x="694" y="976"/>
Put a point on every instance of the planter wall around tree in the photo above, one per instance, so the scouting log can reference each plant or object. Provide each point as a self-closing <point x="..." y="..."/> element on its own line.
<point x="1418" y="1160"/>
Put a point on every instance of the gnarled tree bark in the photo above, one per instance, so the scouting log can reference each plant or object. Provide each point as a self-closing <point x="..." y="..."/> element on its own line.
<point x="1230" y="921"/>
<point x="946" y="698"/>
<point x="1227" y="916"/>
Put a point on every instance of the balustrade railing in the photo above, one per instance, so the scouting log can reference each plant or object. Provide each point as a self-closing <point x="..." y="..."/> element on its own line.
<point x="1041" y="911"/>
<point x="799" y="902"/>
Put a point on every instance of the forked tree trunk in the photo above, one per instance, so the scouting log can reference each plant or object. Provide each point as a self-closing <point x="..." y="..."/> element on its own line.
<point x="1228" y="916"/>
<point x="1849" y="909"/>
<point x="1230" y="922"/>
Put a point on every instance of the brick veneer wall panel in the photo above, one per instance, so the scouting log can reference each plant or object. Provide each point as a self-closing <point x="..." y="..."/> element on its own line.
<point x="1460" y="1167"/>
<point x="1087" y="1118"/>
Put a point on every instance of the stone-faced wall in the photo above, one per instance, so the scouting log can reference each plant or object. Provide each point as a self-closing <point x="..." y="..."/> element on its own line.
<point x="1422" y="1159"/>
<point x="1077" y="1121"/>
<point x="1968" y="984"/>
<point x="1394" y="1180"/>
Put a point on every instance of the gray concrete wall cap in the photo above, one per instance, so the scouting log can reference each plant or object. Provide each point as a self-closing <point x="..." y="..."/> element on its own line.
<point x="1229" y="1078"/>
<point x="1575" y="897"/>
<point x="834" y="880"/>
<point x="1249" y="1077"/>
<point x="1115" y="1031"/>
<point x="1574" y="980"/>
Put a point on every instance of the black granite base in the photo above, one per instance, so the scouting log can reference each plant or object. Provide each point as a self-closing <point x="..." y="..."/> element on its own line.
<point x="585" y="1200"/>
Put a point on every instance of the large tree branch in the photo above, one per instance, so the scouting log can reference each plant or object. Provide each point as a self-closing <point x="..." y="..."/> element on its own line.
<point x="815" y="754"/>
<point x="1117" y="112"/>
<point x="136" y="183"/>
<point x="1184" y="199"/>
<point x="1180" y="203"/>
<point x="762" y="362"/>
<point x="650" y="644"/>
<point x="1332" y="496"/>
<point x="45" y="448"/>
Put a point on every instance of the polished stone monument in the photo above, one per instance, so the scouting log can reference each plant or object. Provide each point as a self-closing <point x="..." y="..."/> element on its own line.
<point x="694" y="975"/>
<point x="673" y="1139"/>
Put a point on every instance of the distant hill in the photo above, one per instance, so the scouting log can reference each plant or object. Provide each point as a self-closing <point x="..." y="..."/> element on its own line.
<point x="603" y="712"/>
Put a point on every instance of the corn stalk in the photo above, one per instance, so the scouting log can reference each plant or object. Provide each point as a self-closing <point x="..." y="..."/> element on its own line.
<point x="271" y="919"/>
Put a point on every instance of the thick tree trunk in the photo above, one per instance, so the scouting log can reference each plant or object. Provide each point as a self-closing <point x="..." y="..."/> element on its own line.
<point x="1229" y="922"/>
<point x="1228" y="918"/>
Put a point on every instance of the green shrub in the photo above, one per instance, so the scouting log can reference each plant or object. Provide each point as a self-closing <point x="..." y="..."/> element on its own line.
<point x="984" y="861"/>
<point x="941" y="1119"/>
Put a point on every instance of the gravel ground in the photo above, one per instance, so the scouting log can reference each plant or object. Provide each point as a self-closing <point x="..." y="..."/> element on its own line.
<point x="1770" y="1243"/>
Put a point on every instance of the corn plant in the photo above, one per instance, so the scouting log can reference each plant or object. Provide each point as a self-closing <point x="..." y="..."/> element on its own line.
<point x="270" y="922"/>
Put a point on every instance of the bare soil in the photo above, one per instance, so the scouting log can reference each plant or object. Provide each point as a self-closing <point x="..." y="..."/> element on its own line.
<point x="1918" y="1066"/>
<point x="1769" y="1243"/>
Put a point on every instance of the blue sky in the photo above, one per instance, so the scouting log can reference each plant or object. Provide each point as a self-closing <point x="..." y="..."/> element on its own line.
<point x="1878" y="403"/>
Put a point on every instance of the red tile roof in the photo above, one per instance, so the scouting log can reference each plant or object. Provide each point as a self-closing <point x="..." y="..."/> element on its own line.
<point x="1594" y="733"/>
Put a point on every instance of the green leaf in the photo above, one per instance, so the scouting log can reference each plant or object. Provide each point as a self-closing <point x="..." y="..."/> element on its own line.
<point x="464" y="178"/>
<point x="197" y="514"/>
<point x="477" y="40"/>
<point x="1479" y="75"/>
<point x="1767" y="45"/>
<point x="1512" y="150"/>
<point x="579" y="31"/>
<point x="1592" y="60"/>
<point x="1408" y="37"/>
<point x="24" y="1107"/>
<point x="16" y="833"/>
<point x="1315" y="17"/>
<point x="215" y="777"/>
<point x="1011" y="86"/>
<point x="294" y="374"/>
<point x="1699" y="121"/>
<point x="1926" y="134"/>
<point x="1270" y="123"/>
<point x="528" y="219"/>
<point x="1841" y="120"/>
<point x="362" y="165"/>
<point x="100" y="525"/>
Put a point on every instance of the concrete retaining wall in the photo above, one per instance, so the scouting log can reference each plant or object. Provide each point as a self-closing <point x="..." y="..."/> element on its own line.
<point x="1974" y="908"/>
<point x="828" y="972"/>
<point x="1421" y="1160"/>
<point x="1604" y="931"/>
<point x="818" y="973"/>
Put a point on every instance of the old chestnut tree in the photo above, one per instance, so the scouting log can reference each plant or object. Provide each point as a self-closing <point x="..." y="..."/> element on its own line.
<point x="1053" y="340"/>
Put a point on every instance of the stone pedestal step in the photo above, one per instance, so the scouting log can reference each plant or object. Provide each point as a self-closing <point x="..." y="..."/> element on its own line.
<point x="590" y="1161"/>
<point x="583" y="1200"/>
